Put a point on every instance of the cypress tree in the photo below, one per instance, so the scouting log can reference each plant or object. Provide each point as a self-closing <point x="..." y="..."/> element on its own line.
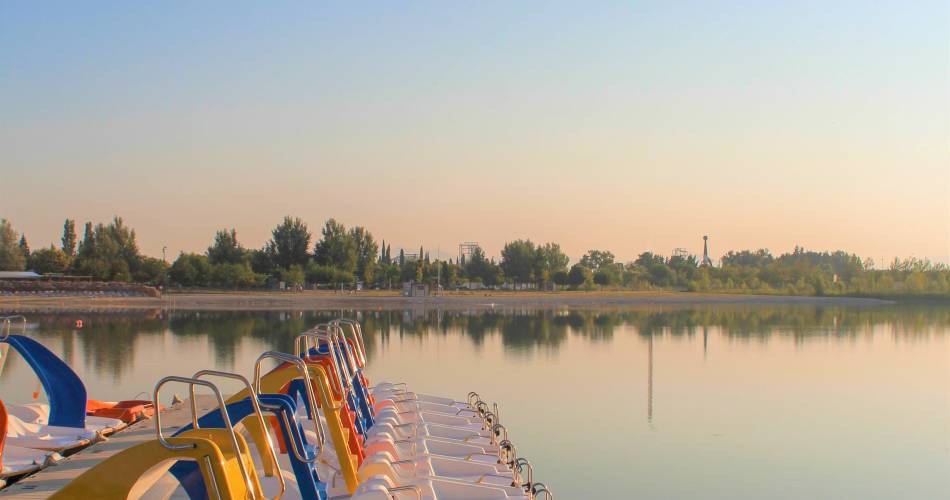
<point x="69" y="237"/>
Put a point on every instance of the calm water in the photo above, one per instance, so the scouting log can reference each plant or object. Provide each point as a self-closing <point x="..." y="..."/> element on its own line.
<point x="719" y="402"/>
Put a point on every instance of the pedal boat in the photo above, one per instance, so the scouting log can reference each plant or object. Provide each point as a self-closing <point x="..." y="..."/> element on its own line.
<point x="18" y="461"/>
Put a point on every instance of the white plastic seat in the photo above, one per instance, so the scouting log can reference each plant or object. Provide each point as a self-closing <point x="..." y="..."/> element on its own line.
<point x="466" y="435"/>
<point x="47" y="437"/>
<point x="467" y="471"/>
<point x="38" y="413"/>
<point x="474" y="422"/>
<point x="18" y="460"/>
<point x="383" y="488"/>
<point x="423" y="406"/>
<point x="404" y="449"/>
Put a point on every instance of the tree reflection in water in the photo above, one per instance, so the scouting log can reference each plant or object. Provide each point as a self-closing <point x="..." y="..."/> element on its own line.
<point x="107" y="341"/>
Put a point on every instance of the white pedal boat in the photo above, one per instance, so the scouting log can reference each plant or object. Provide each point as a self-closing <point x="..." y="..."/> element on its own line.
<point x="47" y="437"/>
<point x="38" y="413"/>
<point x="18" y="461"/>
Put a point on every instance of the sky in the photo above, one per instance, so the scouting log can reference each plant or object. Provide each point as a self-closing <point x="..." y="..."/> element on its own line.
<point x="624" y="126"/>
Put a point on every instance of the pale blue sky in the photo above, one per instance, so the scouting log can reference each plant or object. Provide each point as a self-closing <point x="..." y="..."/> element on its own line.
<point x="625" y="126"/>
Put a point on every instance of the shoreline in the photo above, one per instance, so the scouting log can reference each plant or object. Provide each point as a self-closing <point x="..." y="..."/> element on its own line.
<point x="321" y="300"/>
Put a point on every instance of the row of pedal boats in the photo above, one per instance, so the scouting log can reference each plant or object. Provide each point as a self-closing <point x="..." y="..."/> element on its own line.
<point x="311" y="426"/>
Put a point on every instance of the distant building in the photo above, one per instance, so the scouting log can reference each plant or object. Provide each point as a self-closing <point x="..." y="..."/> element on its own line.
<point x="19" y="275"/>
<point x="412" y="289"/>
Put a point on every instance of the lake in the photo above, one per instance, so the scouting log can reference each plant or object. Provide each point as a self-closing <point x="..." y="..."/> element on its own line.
<point x="725" y="401"/>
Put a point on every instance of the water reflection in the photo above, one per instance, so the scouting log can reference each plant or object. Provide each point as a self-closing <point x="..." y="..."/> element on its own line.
<point x="779" y="392"/>
<point x="107" y="342"/>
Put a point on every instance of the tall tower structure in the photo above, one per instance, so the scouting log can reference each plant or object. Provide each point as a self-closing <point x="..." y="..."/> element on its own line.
<point x="465" y="250"/>
<point x="706" y="260"/>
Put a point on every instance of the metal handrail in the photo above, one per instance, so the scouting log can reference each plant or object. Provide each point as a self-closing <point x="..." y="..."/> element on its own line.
<point x="404" y="385"/>
<point x="358" y="328"/>
<point x="257" y="411"/>
<point x="511" y="453"/>
<point x="411" y="487"/>
<point x="495" y="434"/>
<point x="541" y="488"/>
<point x="323" y="331"/>
<point x="311" y="399"/>
<point x="343" y="382"/>
<point x="8" y="323"/>
<point x="354" y="364"/>
<point x="520" y="464"/>
<point x="224" y="414"/>
<point x="357" y="331"/>
<point x="336" y="332"/>
<point x="330" y="333"/>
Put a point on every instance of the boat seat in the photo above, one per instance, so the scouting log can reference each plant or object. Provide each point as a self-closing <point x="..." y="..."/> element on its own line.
<point x="118" y="476"/>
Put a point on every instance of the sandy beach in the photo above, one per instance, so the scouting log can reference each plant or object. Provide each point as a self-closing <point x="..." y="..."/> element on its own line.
<point x="226" y="301"/>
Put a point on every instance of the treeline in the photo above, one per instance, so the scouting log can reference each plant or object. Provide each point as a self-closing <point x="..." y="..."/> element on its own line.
<point x="107" y="252"/>
<point x="342" y="256"/>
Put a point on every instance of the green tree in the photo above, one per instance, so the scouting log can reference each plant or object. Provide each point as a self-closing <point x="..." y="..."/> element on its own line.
<point x="315" y="273"/>
<point x="226" y="249"/>
<point x="684" y="268"/>
<point x="152" y="271"/>
<point x="661" y="274"/>
<point x="49" y="261"/>
<point x="635" y="276"/>
<point x="366" y="249"/>
<point x="261" y="261"/>
<point x="478" y="268"/>
<point x="190" y="269"/>
<point x="595" y="259"/>
<point x="88" y="261"/>
<point x="549" y="260"/>
<point x="580" y="276"/>
<point x="290" y="243"/>
<point x="11" y="257"/>
<point x="87" y="247"/>
<point x="337" y="248"/>
<point x="108" y="252"/>
<point x="450" y="274"/>
<point x="293" y="276"/>
<point x="387" y="275"/>
<point x="69" y="237"/>
<point x="494" y="274"/>
<point x="25" y="251"/>
<point x="383" y="258"/>
<point x="757" y="258"/>
<point x="518" y="261"/>
<point x="123" y="237"/>
<point x="608" y="275"/>
<point x="647" y="259"/>
<point x="233" y="275"/>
